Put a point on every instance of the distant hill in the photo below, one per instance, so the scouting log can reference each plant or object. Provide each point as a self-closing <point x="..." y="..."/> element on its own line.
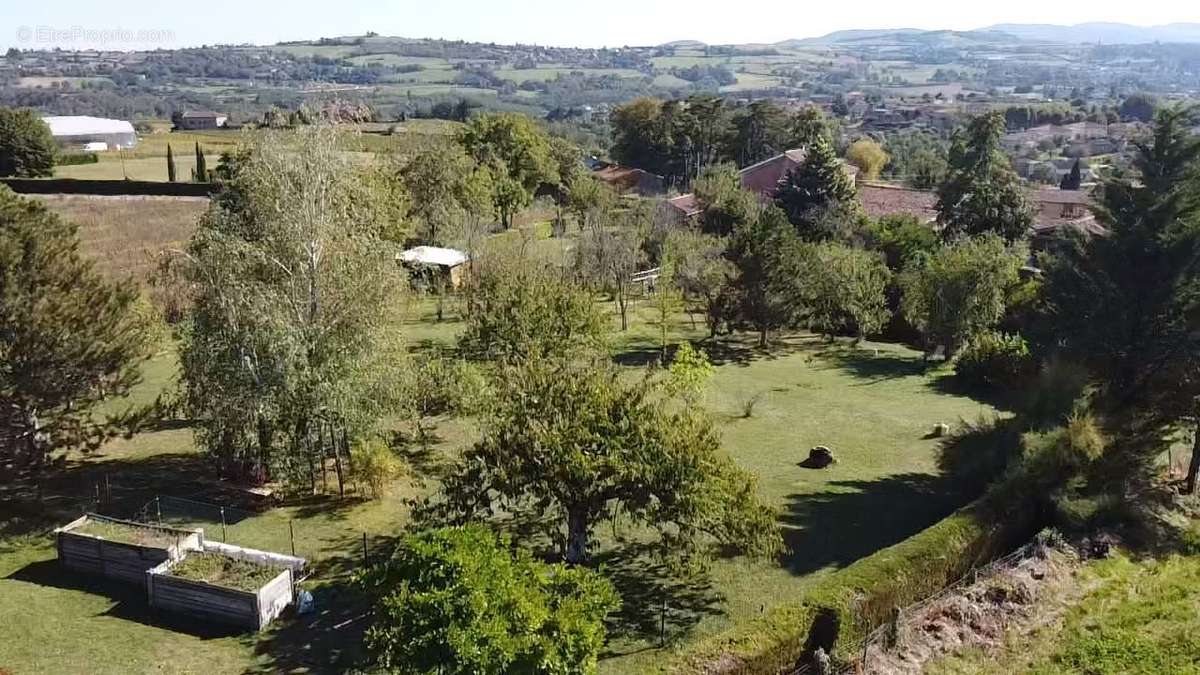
<point x="1108" y="33"/>
<point x="903" y="36"/>
<point x="685" y="44"/>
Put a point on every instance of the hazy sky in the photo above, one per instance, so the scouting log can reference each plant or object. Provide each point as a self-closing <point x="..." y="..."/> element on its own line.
<point x="143" y="24"/>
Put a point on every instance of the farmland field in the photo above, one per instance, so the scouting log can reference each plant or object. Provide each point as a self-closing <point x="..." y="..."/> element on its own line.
<point x="124" y="234"/>
<point x="147" y="160"/>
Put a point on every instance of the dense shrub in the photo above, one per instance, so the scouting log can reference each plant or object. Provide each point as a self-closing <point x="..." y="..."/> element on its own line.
<point x="463" y="600"/>
<point x="994" y="360"/>
<point x="979" y="452"/>
<point x="1052" y="397"/>
<point x="77" y="158"/>
<point x="376" y="465"/>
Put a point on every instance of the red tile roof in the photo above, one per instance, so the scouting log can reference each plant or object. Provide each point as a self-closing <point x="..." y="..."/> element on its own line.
<point x="762" y="178"/>
<point x="881" y="199"/>
<point x="625" y="178"/>
<point x="1056" y="209"/>
<point x="687" y="205"/>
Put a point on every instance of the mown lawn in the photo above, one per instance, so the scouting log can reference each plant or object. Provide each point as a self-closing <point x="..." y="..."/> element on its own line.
<point x="1141" y="617"/>
<point x="871" y="404"/>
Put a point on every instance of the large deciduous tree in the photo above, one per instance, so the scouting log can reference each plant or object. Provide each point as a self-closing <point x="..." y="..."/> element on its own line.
<point x="295" y="294"/>
<point x="724" y="203"/>
<point x="580" y="441"/>
<point x="845" y="290"/>
<point x="770" y="269"/>
<point x="516" y="151"/>
<point x="959" y="292"/>
<point x="982" y="193"/>
<point x="515" y="309"/>
<point x="609" y="254"/>
<point x="704" y="274"/>
<point x="461" y="600"/>
<point x="433" y="180"/>
<point x="27" y="149"/>
<point x="69" y="338"/>
<point x="641" y="137"/>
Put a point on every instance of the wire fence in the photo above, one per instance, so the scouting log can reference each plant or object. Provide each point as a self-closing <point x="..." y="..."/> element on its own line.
<point x="272" y="530"/>
<point x="856" y="655"/>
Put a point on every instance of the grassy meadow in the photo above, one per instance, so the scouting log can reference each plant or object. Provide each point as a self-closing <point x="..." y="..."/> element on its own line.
<point x="872" y="404"/>
<point x="124" y="235"/>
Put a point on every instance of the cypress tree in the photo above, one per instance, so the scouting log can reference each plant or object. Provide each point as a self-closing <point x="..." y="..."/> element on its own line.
<point x="201" y="169"/>
<point x="1073" y="180"/>
<point x="170" y="164"/>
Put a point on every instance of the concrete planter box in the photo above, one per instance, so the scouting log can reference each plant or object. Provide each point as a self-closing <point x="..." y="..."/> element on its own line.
<point x="121" y="560"/>
<point x="247" y="609"/>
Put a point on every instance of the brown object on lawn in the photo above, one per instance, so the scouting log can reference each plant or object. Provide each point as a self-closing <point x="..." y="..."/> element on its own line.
<point x="939" y="430"/>
<point x="819" y="458"/>
<point x="121" y="549"/>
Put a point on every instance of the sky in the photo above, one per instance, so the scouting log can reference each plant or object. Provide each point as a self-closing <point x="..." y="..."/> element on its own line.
<point x="147" y="24"/>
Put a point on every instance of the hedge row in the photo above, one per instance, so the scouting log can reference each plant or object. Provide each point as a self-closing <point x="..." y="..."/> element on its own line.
<point x="73" y="186"/>
<point x="76" y="158"/>
<point x="846" y="605"/>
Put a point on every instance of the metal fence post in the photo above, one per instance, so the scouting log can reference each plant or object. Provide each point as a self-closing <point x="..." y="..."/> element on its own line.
<point x="662" y="625"/>
<point x="365" y="549"/>
<point x="292" y="536"/>
<point x="158" y="507"/>
<point x="224" y="539"/>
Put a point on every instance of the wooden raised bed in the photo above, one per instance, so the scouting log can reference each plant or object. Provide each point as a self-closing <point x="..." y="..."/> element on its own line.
<point x="253" y="609"/>
<point x="121" y="549"/>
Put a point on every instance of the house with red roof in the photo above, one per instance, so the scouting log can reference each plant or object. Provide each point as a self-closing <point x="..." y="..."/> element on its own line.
<point x="762" y="179"/>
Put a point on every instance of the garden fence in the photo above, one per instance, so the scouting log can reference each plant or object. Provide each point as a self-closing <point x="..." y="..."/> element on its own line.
<point x="269" y="530"/>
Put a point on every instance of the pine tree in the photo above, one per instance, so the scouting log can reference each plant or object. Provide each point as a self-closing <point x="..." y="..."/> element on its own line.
<point x="69" y="338"/>
<point x="982" y="193"/>
<point x="818" y="186"/>
<point x="170" y="164"/>
<point x="201" y="175"/>
<point x="1127" y="305"/>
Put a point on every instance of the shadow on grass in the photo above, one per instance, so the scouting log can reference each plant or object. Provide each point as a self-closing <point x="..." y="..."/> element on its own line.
<point x="857" y="518"/>
<point x="654" y="599"/>
<point x="872" y="367"/>
<point x="950" y="385"/>
<point x="129" y="601"/>
<point x="118" y="487"/>
<point x="739" y="349"/>
<point x="329" y="640"/>
<point x="424" y="458"/>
